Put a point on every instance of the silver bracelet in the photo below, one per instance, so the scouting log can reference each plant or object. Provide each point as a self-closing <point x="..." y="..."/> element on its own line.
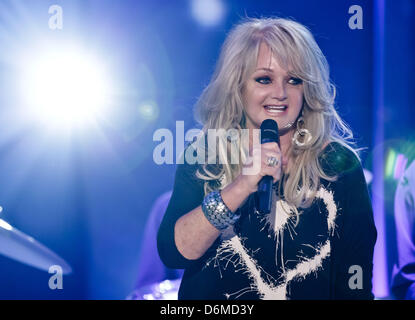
<point x="216" y="211"/>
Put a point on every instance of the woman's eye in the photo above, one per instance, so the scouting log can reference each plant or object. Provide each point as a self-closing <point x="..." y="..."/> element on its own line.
<point x="295" y="81"/>
<point x="263" y="80"/>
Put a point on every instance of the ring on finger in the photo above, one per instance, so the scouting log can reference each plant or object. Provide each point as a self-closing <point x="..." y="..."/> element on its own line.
<point x="272" y="161"/>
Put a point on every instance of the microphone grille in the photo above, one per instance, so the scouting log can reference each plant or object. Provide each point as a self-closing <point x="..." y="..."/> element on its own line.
<point x="269" y="131"/>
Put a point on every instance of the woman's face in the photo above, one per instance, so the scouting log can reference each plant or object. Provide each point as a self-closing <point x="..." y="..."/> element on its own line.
<point x="271" y="93"/>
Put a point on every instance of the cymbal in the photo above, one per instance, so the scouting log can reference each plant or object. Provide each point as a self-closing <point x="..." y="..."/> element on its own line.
<point x="23" y="248"/>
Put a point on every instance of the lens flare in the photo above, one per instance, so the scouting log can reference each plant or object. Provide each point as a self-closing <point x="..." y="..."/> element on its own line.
<point x="65" y="88"/>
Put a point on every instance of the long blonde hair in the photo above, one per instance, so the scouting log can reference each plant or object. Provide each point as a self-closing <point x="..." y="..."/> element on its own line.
<point x="221" y="105"/>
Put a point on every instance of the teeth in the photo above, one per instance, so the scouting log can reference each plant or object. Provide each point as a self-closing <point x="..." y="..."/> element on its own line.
<point x="279" y="108"/>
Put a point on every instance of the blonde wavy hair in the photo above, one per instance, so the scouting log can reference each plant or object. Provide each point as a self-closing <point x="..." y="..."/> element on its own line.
<point x="221" y="105"/>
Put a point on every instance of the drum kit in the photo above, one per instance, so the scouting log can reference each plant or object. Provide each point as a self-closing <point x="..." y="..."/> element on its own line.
<point x="19" y="246"/>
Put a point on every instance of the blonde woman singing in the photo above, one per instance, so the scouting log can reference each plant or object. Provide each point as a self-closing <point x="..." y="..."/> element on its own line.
<point x="317" y="242"/>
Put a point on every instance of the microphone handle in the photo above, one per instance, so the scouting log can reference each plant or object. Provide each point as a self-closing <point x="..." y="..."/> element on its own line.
<point x="265" y="187"/>
<point x="264" y="195"/>
<point x="269" y="128"/>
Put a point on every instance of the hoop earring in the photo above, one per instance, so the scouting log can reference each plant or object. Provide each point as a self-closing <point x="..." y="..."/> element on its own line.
<point x="302" y="133"/>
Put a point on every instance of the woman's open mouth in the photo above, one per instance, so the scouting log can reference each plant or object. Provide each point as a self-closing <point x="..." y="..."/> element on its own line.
<point x="275" y="110"/>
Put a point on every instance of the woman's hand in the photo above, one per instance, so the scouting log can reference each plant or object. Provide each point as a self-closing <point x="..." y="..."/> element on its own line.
<point x="257" y="167"/>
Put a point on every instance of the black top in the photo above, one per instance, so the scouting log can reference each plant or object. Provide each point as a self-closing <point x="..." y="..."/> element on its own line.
<point x="327" y="255"/>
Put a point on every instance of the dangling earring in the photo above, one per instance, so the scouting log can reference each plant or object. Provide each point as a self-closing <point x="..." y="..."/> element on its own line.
<point x="302" y="134"/>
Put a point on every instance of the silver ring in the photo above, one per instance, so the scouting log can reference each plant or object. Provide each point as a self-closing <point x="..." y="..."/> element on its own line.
<point x="272" y="162"/>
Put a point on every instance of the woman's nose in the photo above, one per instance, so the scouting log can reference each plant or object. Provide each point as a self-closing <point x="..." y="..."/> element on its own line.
<point x="279" y="91"/>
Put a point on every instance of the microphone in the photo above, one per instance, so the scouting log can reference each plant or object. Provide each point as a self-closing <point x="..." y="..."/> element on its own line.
<point x="269" y="133"/>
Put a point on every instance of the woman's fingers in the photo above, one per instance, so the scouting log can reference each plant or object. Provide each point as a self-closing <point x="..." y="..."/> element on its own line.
<point x="262" y="163"/>
<point x="270" y="167"/>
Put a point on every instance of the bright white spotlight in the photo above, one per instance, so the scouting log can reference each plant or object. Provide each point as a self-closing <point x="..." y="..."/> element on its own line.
<point x="65" y="88"/>
<point x="208" y="12"/>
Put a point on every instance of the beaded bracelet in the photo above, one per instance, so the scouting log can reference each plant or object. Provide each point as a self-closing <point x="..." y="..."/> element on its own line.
<point x="216" y="211"/>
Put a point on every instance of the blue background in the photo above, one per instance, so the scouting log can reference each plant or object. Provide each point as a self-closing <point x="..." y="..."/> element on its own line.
<point x="87" y="196"/>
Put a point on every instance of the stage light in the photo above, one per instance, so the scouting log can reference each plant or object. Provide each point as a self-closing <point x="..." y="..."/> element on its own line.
<point x="148" y="110"/>
<point x="390" y="163"/>
<point x="65" y="88"/>
<point x="208" y="12"/>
